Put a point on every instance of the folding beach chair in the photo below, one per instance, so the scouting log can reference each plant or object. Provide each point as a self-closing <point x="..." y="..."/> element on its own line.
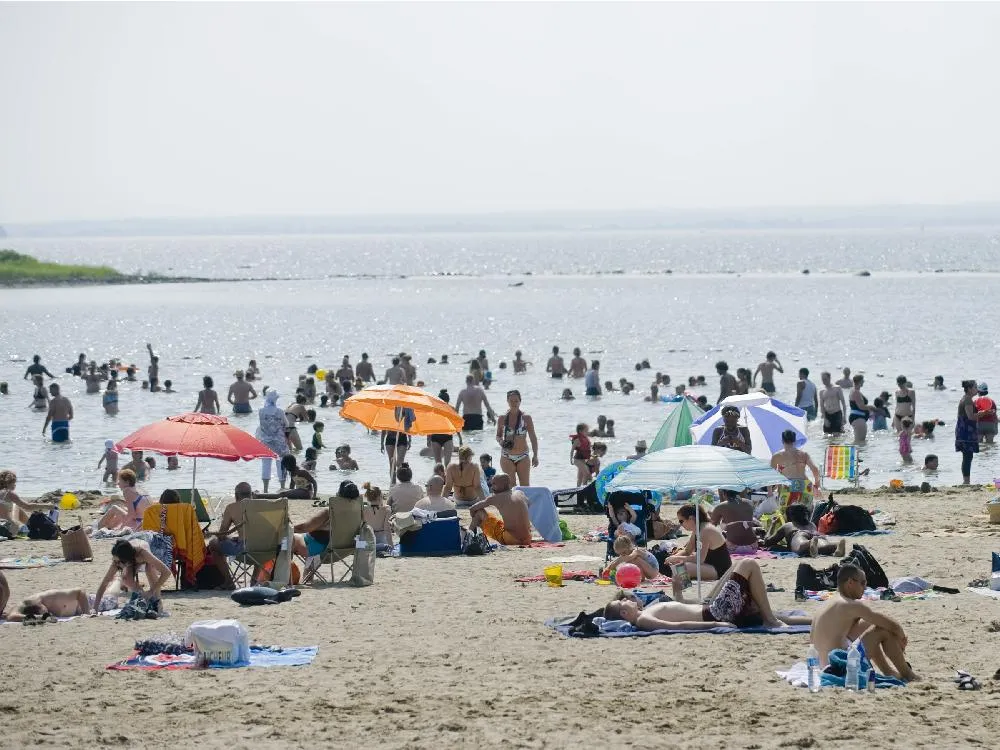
<point x="177" y="522"/>
<point x="842" y="462"/>
<point x="640" y="504"/>
<point x="264" y="525"/>
<point x="346" y="520"/>
<point x="193" y="497"/>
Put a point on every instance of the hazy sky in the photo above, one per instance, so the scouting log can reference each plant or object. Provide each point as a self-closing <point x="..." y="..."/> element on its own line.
<point x="178" y="109"/>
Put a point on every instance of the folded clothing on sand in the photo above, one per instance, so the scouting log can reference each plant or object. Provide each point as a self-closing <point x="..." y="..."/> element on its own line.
<point x="260" y="656"/>
<point x="622" y="629"/>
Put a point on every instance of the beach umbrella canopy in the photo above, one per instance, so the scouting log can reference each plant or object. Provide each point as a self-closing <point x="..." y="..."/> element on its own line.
<point x="696" y="467"/>
<point x="765" y="417"/>
<point x="606" y="474"/>
<point x="676" y="428"/>
<point x="401" y="408"/>
<point x="198" y="436"/>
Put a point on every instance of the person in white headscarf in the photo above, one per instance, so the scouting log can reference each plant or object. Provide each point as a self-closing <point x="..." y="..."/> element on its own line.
<point x="271" y="432"/>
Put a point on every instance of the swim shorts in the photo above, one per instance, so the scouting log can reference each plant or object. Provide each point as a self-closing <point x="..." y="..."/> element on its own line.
<point x="493" y="528"/>
<point x="231" y="547"/>
<point x="768" y="387"/>
<point x="810" y="412"/>
<point x="60" y="430"/>
<point x="833" y="422"/>
<point x="593" y="392"/>
<point x="314" y="546"/>
<point x="733" y="604"/>
<point x="241" y="409"/>
<point x="472" y="422"/>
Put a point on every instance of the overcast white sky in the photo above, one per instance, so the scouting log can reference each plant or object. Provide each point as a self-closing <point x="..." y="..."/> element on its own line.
<point x="177" y="109"/>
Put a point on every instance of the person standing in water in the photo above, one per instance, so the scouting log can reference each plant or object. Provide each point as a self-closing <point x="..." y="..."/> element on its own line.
<point x="110" y="398"/>
<point x="208" y="399"/>
<point x="36" y="368"/>
<point x="240" y="393"/>
<point x="60" y="414"/>
<point x="860" y="411"/>
<point x="727" y="382"/>
<point x="555" y="365"/>
<point x="766" y="370"/>
<point x="154" y="369"/>
<point x="395" y="375"/>
<point x="966" y="431"/>
<point x="987" y="410"/>
<point x="469" y="404"/>
<point x="834" y="405"/>
<point x="577" y="365"/>
<point x="514" y="431"/>
<point x="364" y="370"/>
<point x="906" y="403"/>
<point x="271" y="432"/>
<point x="805" y="395"/>
<point x="520" y="366"/>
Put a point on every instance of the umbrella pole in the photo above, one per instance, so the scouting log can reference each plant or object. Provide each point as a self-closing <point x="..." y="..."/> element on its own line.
<point x="697" y="545"/>
<point x="194" y="475"/>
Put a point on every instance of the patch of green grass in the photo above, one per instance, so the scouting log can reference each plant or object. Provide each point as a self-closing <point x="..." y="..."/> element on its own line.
<point x="16" y="268"/>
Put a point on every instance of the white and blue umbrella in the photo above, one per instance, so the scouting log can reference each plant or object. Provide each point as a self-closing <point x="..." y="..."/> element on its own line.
<point x="696" y="467"/>
<point x="765" y="417"/>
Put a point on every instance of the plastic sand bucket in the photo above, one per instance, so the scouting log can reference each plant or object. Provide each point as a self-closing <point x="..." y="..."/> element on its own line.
<point x="994" y="511"/>
<point x="553" y="575"/>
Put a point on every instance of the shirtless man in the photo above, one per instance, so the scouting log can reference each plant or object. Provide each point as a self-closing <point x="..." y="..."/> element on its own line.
<point x="409" y="371"/>
<point x="240" y="394"/>
<point x="36" y="368"/>
<point x="60" y="414"/>
<point x="395" y="375"/>
<point x="793" y="462"/>
<point x="555" y="365"/>
<point x="846" y="381"/>
<point x="577" y="365"/>
<point x="470" y="403"/>
<point x="739" y="599"/>
<point x="346" y="372"/>
<point x="520" y="366"/>
<point x="52" y="603"/>
<point x="802" y="537"/>
<point x="845" y="618"/>
<point x="154" y="369"/>
<point x="137" y="465"/>
<point x="734" y="515"/>
<point x="462" y="479"/>
<point x="364" y="370"/>
<point x="514" y="525"/>
<point x="766" y="370"/>
<point x="833" y="405"/>
<point x="223" y="545"/>
<point x="727" y="381"/>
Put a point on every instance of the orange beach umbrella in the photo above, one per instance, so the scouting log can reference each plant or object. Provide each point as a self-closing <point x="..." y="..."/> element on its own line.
<point x="401" y="408"/>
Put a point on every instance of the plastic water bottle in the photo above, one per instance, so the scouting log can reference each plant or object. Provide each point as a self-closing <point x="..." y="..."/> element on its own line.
<point x="812" y="667"/>
<point x="852" y="681"/>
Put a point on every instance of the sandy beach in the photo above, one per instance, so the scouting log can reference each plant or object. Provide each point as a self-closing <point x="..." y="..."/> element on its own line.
<point x="453" y="651"/>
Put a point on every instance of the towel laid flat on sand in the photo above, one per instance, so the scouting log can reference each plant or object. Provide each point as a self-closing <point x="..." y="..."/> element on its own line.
<point x="260" y="656"/>
<point x="985" y="592"/>
<point x="621" y="629"/>
<point x="22" y="563"/>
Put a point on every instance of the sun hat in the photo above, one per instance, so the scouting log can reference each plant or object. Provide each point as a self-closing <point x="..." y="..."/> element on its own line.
<point x="640" y="445"/>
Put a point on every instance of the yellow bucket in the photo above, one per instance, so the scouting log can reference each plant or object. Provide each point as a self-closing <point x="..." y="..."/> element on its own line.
<point x="994" y="510"/>
<point x="553" y="575"/>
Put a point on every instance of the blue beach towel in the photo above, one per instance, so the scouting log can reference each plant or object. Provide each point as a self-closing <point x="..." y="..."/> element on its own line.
<point x="622" y="629"/>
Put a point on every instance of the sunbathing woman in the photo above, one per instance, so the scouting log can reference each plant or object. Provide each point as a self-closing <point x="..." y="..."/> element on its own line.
<point x="739" y="599"/>
<point x="127" y="513"/>
<point x="128" y="557"/>
<point x="801" y="536"/>
<point x="715" y="560"/>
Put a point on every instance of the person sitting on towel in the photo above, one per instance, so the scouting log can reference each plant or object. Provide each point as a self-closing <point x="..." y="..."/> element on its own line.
<point x="734" y="515"/>
<point x="627" y="551"/>
<point x="739" y="600"/>
<point x="514" y="525"/>
<point x="715" y="559"/>
<point x="845" y="618"/>
<point x="801" y="536"/>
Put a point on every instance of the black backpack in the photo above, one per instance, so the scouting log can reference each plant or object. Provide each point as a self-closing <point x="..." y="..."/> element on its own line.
<point x="40" y="526"/>
<point x="808" y="578"/>
<point x="860" y="556"/>
<point x="852" y="518"/>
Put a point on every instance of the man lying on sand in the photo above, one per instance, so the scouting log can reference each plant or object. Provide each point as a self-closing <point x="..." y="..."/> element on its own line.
<point x="739" y="599"/>
<point x="802" y="537"/>
<point x="845" y="618"/>
<point x="46" y="604"/>
<point x="514" y="525"/>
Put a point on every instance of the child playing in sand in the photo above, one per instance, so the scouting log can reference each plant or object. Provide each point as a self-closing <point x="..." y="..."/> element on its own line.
<point x="905" y="436"/>
<point x="627" y="551"/>
<point x="846" y="618"/>
<point x="880" y="415"/>
<point x="110" y="460"/>
<point x="310" y="463"/>
<point x="317" y="439"/>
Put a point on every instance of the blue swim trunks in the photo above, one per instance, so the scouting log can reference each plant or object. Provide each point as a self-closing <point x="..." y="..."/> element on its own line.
<point x="241" y="409"/>
<point x="230" y="547"/>
<point x="313" y="546"/>
<point x="60" y="430"/>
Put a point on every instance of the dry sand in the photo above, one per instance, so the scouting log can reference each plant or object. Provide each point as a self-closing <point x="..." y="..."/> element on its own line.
<point x="452" y="652"/>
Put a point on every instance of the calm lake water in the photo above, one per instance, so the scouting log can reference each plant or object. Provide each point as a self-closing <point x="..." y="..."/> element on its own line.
<point x="730" y="296"/>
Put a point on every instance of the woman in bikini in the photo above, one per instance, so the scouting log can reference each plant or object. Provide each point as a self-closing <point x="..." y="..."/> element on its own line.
<point x="128" y="557"/>
<point x="442" y="445"/>
<point x="12" y="507"/>
<point x="129" y="512"/>
<point x="395" y="444"/>
<point x="514" y="430"/>
<point x="208" y="399"/>
<point x="860" y="410"/>
<point x="715" y="559"/>
<point x="580" y="454"/>
<point x="906" y="404"/>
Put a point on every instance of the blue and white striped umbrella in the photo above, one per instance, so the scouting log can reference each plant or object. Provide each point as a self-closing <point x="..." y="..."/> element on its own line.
<point x="765" y="417"/>
<point x="696" y="467"/>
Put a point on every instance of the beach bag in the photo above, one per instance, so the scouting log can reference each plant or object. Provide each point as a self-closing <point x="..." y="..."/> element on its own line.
<point x="404" y="523"/>
<point x="363" y="569"/>
<point x="852" y="518"/>
<point x="76" y="545"/>
<point x="860" y="556"/>
<point x="223" y="642"/>
<point x="475" y="543"/>
<point x="827" y="524"/>
<point x="40" y="526"/>
<point x="807" y="578"/>
<point x="9" y="529"/>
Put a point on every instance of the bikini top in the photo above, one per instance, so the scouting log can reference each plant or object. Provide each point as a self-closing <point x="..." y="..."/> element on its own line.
<point x="903" y="399"/>
<point x="519" y="428"/>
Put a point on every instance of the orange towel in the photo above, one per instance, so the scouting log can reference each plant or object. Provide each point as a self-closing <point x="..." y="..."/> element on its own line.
<point x="180" y="521"/>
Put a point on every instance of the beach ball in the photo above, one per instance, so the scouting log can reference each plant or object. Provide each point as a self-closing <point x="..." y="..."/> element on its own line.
<point x="320" y="374"/>
<point x="628" y="576"/>
<point x="69" y="501"/>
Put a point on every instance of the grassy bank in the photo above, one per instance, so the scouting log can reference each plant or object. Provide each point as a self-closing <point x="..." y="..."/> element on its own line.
<point x="17" y="269"/>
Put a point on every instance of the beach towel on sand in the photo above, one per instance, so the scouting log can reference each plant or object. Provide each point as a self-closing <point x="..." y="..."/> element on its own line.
<point x="622" y="629"/>
<point x="260" y="656"/>
<point x="23" y="563"/>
